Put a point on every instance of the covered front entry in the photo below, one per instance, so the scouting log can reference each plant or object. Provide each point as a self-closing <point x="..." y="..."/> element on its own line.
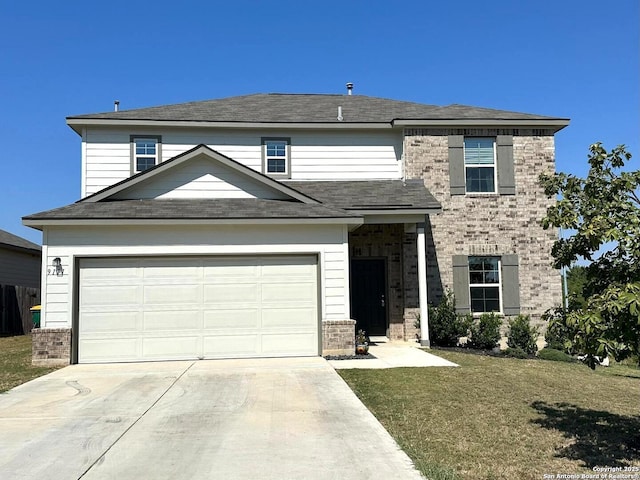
<point x="169" y="308"/>
<point x="369" y="295"/>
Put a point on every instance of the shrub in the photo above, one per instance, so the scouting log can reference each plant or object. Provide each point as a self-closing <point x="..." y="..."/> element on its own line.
<point x="445" y="325"/>
<point x="522" y="335"/>
<point x="515" y="352"/>
<point x="558" y="335"/>
<point x="485" y="332"/>
<point x="554" y="355"/>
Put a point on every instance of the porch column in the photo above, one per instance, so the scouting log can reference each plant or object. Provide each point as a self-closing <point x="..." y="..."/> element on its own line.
<point x="422" y="286"/>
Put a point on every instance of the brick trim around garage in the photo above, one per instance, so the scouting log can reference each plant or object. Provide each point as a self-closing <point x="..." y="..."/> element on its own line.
<point x="338" y="337"/>
<point x="51" y="346"/>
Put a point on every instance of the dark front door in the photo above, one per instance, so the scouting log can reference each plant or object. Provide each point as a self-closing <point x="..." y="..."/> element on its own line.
<point x="369" y="295"/>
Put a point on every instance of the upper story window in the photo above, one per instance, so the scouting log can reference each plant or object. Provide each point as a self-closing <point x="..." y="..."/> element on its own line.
<point x="276" y="158"/>
<point x="480" y="164"/>
<point x="484" y="284"/>
<point x="145" y="152"/>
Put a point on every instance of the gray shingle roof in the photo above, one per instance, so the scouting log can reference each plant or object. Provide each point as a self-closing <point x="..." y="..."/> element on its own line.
<point x="12" y="240"/>
<point x="370" y="194"/>
<point x="340" y="199"/>
<point x="190" y="209"/>
<point x="308" y="108"/>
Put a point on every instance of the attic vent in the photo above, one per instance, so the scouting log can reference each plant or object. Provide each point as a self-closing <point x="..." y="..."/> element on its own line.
<point x="116" y="105"/>
<point x="349" y="88"/>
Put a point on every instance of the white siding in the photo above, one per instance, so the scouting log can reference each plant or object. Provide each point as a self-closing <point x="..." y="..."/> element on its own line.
<point x="315" y="155"/>
<point x="200" y="178"/>
<point x="68" y="243"/>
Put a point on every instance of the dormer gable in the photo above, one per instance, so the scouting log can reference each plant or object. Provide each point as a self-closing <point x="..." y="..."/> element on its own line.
<point x="199" y="173"/>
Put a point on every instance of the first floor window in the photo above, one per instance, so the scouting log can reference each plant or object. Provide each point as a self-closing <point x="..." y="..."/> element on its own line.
<point x="480" y="164"/>
<point x="484" y="284"/>
<point x="276" y="156"/>
<point x="145" y="153"/>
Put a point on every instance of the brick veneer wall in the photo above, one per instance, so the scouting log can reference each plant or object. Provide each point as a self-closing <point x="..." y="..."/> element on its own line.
<point x="338" y="337"/>
<point x="51" y="346"/>
<point x="489" y="224"/>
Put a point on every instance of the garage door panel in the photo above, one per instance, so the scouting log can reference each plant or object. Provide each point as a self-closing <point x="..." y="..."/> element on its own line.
<point x="172" y="294"/>
<point x="233" y="293"/>
<point x="224" y="320"/>
<point x="195" y="307"/>
<point x="231" y="267"/>
<point x="221" y="346"/>
<point x="288" y="292"/>
<point x="108" y="350"/>
<point x="290" y="343"/>
<point x="286" y="318"/>
<point x="175" y="347"/>
<point x="113" y="322"/>
<point x="110" y="295"/>
<point x="177" y="320"/>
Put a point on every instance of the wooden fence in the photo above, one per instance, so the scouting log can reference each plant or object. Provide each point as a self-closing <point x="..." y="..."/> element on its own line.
<point x="15" y="302"/>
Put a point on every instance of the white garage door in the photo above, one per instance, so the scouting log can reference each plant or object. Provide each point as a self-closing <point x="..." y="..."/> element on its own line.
<point x="133" y="309"/>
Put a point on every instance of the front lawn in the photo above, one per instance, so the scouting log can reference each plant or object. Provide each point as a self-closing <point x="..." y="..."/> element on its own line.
<point x="503" y="418"/>
<point x="15" y="362"/>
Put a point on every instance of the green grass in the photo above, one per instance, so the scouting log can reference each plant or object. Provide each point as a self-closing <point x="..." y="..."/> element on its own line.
<point x="505" y="418"/>
<point x="15" y="362"/>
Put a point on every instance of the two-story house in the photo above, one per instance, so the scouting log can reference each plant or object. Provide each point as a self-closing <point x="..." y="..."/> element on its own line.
<point x="277" y="224"/>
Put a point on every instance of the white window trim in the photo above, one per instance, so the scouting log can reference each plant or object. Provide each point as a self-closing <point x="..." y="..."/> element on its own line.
<point x="495" y="168"/>
<point x="499" y="285"/>
<point x="287" y="157"/>
<point x="157" y="157"/>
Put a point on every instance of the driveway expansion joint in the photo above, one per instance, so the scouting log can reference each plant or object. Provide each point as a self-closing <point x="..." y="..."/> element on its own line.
<point x="101" y="458"/>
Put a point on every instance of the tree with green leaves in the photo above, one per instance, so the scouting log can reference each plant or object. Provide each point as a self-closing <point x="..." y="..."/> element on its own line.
<point x="576" y="280"/>
<point x="602" y="212"/>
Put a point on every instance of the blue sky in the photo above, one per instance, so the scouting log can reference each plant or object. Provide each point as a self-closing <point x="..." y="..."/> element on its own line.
<point x="566" y="58"/>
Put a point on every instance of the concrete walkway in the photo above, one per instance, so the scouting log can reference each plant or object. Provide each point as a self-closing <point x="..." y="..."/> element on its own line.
<point x="268" y="419"/>
<point x="393" y="355"/>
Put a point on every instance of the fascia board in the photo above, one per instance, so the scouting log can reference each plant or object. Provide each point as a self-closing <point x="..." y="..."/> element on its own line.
<point x="78" y="123"/>
<point x="37" y="224"/>
<point x="558" y="123"/>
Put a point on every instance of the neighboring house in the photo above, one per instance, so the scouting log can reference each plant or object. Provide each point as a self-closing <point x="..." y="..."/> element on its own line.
<point x="276" y="224"/>
<point x="20" y="262"/>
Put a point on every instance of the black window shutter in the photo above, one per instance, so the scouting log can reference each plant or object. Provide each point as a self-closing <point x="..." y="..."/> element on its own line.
<point x="506" y="176"/>
<point x="461" y="283"/>
<point x="456" y="164"/>
<point x="510" y="285"/>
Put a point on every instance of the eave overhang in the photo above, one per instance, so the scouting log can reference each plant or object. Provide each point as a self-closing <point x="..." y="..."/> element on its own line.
<point x="555" y="124"/>
<point x="77" y="124"/>
<point x="59" y="222"/>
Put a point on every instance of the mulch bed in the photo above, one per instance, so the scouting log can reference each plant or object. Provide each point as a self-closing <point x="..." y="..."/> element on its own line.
<point x="486" y="353"/>
<point x="368" y="356"/>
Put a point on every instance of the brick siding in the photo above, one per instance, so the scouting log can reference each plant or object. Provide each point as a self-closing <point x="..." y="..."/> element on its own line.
<point x="51" y="346"/>
<point x="489" y="224"/>
<point x="338" y="337"/>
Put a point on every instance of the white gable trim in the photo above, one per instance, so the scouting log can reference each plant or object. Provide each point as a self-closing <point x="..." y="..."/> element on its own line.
<point x="212" y="155"/>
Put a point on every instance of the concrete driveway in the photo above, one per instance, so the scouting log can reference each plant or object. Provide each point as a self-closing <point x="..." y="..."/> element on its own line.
<point x="221" y="419"/>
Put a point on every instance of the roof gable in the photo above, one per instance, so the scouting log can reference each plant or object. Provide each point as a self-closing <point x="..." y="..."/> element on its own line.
<point x="199" y="173"/>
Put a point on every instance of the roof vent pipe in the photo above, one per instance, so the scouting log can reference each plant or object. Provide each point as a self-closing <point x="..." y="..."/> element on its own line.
<point x="340" y="117"/>
<point x="349" y="88"/>
<point x="116" y="105"/>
